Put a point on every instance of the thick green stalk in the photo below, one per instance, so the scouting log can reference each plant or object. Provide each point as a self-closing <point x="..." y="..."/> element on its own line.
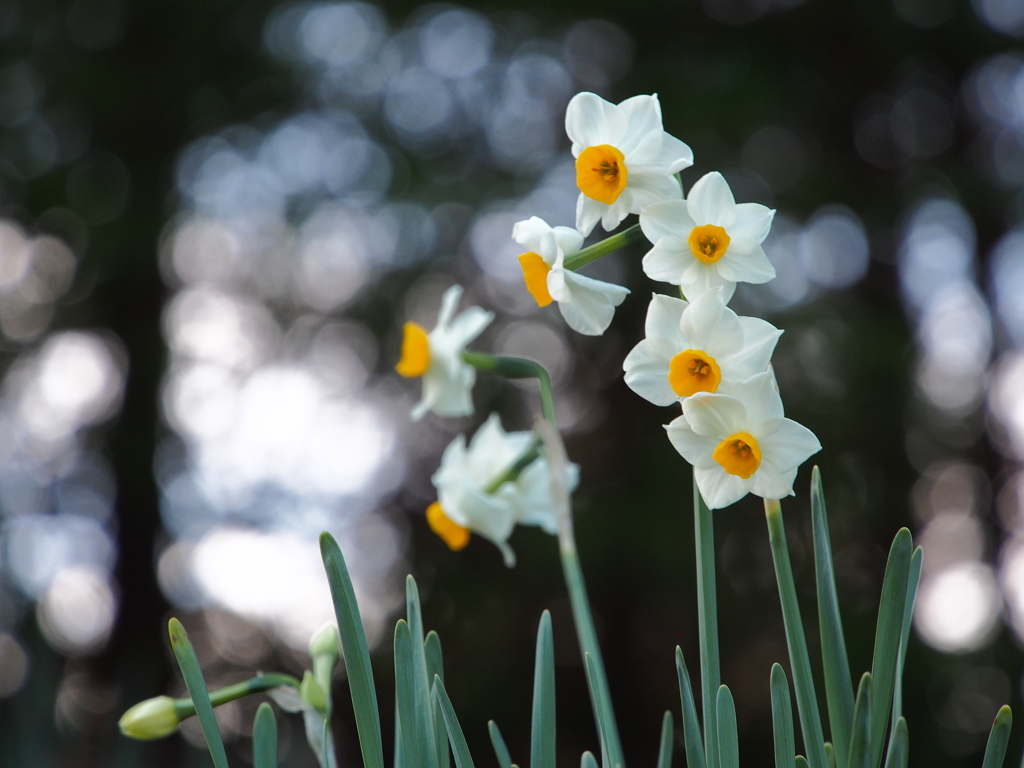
<point x="707" y="619"/>
<point x="597" y="250"/>
<point x="185" y="708"/>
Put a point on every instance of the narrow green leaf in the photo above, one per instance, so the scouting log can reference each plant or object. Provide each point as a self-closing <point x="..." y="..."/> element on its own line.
<point x="691" y="728"/>
<point x="588" y="760"/>
<point x="414" y="705"/>
<point x="995" y="751"/>
<point x="399" y="752"/>
<point x="435" y="666"/>
<point x="803" y="683"/>
<point x="707" y="616"/>
<point x="830" y="754"/>
<point x="264" y="738"/>
<point x="500" y="750"/>
<point x="542" y="731"/>
<point x="451" y="724"/>
<point x="838" y="686"/>
<point x="860" y="737"/>
<point x="801" y="761"/>
<point x="667" y="737"/>
<point x="728" y="738"/>
<point x="601" y="704"/>
<point x="189" y="664"/>
<point x="898" y="744"/>
<point x="782" y="719"/>
<point x="355" y="652"/>
<point x="888" y="634"/>
<point x="908" y="618"/>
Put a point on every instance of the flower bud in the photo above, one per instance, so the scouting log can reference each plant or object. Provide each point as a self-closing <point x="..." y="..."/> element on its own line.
<point x="326" y="643"/>
<point x="150" y="719"/>
<point x="312" y="693"/>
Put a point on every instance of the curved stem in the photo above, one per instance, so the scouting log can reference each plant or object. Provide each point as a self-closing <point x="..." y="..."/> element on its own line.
<point x="517" y="368"/>
<point x="185" y="708"/>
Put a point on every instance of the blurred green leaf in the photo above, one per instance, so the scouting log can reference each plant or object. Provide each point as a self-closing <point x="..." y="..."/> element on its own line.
<point x="665" y="745"/>
<point x="707" y="607"/>
<point x="189" y="664"/>
<point x="691" y="727"/>
<point x="355" y="653"/>
<point x="435" y="667"/>
<point x="908" y="619"/>
<point x="414" y="706"/>
<point x="542" y="731"/>
<point x="898" y="752"/>
<point x="264" y="738"/>
<point x="587" y="760"/>
<point x="838" y="686"/>
<point x="782" y="719"/>
<point x="998" y="737"/>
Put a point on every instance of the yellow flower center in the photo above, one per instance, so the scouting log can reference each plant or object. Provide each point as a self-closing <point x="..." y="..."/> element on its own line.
<point x="451" y="533"/>
<point x="738" y="454"/>
<point x="693" y="371"/>
<point x="415" y="351"/>
<point x="601" y="173"/>
<point x="535" y="273"/>
<point x="708" y="243"/>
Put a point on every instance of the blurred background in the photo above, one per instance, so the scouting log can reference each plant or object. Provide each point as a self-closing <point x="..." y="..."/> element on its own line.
<point x="215" y="216"/>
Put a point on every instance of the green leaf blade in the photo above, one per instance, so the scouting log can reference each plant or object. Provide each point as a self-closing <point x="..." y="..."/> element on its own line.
<point x="728" y="737"/>
<point x="189" y="665"/>
<point x="417" y="731"/>
<point x="899" y="746"/>
<point x="665" y="745"/>
<point x="542" y="731"/>
<point x="998" y="737"/>
<point x="435" y="667"/>
<point x="451" y="723"/>
<point x="500" y="750"/>
<point x="888" y="637"/>
<point x="264" y="738"/>
<point x="782" y="719"/>
<point x="356" y="653"/>
<point x="692" y="742"/>
<point x="710" y="671"/>
<point x="838" y="685"/>
<point x="860" y="737"/>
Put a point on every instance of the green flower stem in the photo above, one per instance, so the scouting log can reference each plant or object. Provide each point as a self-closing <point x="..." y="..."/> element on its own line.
<point x="707" y="618"/>
<point x="603" y="248"/>
<point x="517" y="368"/>
<point x="184" y="708"/>
<point x="515" y="470"/>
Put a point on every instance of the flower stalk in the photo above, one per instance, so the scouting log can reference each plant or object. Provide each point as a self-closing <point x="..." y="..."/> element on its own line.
<point x="611" y="244"/>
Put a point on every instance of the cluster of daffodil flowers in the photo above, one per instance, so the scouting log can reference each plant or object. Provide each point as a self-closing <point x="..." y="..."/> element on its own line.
<point x="697" y="352"/>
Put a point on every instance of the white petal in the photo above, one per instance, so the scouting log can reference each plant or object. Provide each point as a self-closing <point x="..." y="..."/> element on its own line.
<point x="568" y="239"/>
<point x="588" y="213"/>
<point x="719" y="488"/>
<point x="696" y="449"/>
<point x="646" y="370"/>
<point x="716" y="416"/>
<point x="667" y="261"/>
<point x="788" y="446"/>
<point x="712" y="326"/>
<point x="711" y="201"/>
<point x="613" y="214"/>
<point x="470" y="324"/>
<point x="643" y="117"/>
<point x="761" y="396"/>
<point x="670" y="218"/>
<point x="449" y="302"/>
<point x="773" y="485"/>
<point x="699" y="277"/>
<point x="647" y="189"/>
<point x="535" y="235"/>
<point x="590" y="120"/>
<point x="753" y="221"/>
<point x="745" y="262"/>
<point x="586" y="304"/>
<point x="759" y="340"/>
<point x="663" y="316"/>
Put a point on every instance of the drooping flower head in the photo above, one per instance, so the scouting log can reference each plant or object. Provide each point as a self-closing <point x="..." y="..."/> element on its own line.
<point x="482" y="488"/>
<point x="697" y="346"/>
<point x="586" y="304"/>
<point x="742" y="443"/>
<point x="708" y="240"/>
<point x="437" y="357"/>
<point x="625" y="160"/>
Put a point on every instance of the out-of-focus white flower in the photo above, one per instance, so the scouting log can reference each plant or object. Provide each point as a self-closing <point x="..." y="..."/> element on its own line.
<point x="587" y="305"/>
<point x="481" y="489"/>
<point x="741" y="443"/>
<point x="437" y="357"/>
<point x="707" y="240"/>
<point x="700" y="346"/>
<point x="624" y="159"/>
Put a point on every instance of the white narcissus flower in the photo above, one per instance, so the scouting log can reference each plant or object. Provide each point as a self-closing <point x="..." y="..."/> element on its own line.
<point x="586" y="304"/>
<point x="437" y="357"/>
<point x="742" y="443"/>
<point x="707" y="240"/>
<point x="481" y="490"/>
<point x="624" y="159"/>
<point x="697" y="346"/>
